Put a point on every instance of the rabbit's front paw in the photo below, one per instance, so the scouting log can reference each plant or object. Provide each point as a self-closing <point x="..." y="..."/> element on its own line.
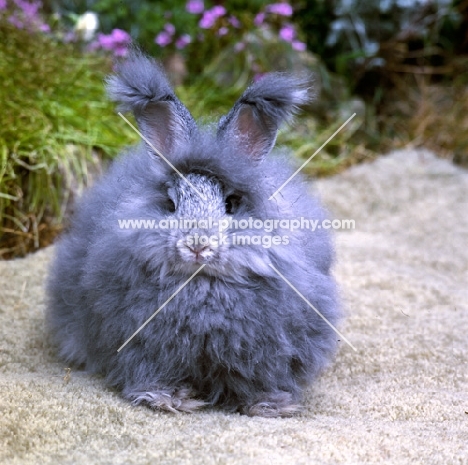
<point x="171" y="400"/>
<point x="273" y="405"/>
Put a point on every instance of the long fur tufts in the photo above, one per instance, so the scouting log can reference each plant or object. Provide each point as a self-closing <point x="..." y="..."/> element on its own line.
<point x="236" y="336"/>
<point x="277" y="95"/>
<point x="138" y="81"/>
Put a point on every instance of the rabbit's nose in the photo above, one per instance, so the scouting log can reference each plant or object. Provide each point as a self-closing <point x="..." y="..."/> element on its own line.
<point x="201" y="253"/>
<point x="197" y="249"/>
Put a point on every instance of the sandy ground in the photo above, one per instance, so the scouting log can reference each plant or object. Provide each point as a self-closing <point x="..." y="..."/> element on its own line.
<point x="400" y="397"/>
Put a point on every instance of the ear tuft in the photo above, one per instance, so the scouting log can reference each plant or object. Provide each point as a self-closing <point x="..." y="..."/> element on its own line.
<point x="141" y="86"/>
<point x="138" y="80"/>
<point x="256" y="116"/>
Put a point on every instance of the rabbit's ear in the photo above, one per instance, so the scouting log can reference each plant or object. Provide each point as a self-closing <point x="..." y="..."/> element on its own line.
<point x="255" y="118"/>
<point x="140" y="86"/>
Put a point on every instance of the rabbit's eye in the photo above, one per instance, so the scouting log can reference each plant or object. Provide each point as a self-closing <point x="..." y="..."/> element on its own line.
<point x="170" y="206"/>
<point x="232" y="203"/>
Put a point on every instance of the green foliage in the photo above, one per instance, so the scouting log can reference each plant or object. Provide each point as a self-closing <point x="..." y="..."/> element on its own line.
<point x="142" y="20"/>
<point x="54" y="120"/>
<point x="238" y="6"/>
<point x="145" y="19"/>
<point x="163" y="28"/>
<point x="314" y="18"/>
<point x="365" y="40"/>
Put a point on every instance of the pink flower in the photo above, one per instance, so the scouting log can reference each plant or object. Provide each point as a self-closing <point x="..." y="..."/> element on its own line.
<point x="120" y="36"/>
<point x="183" y="41"/>
<point x="207" y="20"/>
<point x="163" y="39"/>
<point x="235" y="22"/>
<point x="26" y="15"/>
<point x="223" y="31"/>
<point x="287" y="33"/>
<point x="117" y="41"/>
<point x="16" y="22"/>
<point x="258" y="20"/>
<point x="29" y="9"/>
<point x="282" y="9"/>
<point x="169" y="28"/>
<point x="195" y="6"/>
<point x="210" y="16"/>
<point x="299" y="46"/>
<point x="105" y="41"/>
<point x="218" y="10"/>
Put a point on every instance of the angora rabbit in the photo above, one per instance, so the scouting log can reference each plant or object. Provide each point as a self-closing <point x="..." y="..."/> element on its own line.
<point x="238" y="335"/>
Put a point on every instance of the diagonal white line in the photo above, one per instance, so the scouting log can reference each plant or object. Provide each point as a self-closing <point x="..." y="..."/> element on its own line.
<point x="162" y="156"/>
<point x="159" y="309"/>
<point x="310" y="158"/>
<point x="312" y="307"/>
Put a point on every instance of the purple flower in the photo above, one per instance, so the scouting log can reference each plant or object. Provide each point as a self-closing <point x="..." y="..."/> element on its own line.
<point x="120" y="37"/>
<point x="29" y="9"/>
<point x="222" y="31"/>
<point x="169" y="28"/>
<point x="299" y="46"/>
<point x="287" y="33"/>
<point x="210" y="16"/>
<point x="16" y="22"/>
<point x="105" y="41"/>
<point x="234" y="22"/>
<point x="258" y="20"/>
<point x="218" y="10"/>
<point x="26" y="15"/>
<point x="163" y="39"/>
<point x="207" y="20"/>
<point x="117" y="38"/>
<point x="183" y="41"/>
<point x="195" y="6"/>
<point x="117" y="42"/>
<point x="282" y="9"/>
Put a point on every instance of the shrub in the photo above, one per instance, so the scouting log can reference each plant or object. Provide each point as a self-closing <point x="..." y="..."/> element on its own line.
<point x="55" y="122"/>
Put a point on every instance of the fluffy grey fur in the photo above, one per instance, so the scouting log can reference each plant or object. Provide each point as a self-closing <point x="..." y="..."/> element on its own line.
<point x="237" y="336"/>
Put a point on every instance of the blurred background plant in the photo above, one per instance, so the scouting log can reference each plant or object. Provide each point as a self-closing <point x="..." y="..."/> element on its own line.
<point x="55" y="127"/>
<point x="400" y="65"/>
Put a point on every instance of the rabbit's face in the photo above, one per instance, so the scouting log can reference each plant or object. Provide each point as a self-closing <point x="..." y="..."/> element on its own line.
<point x="196" y="238"/>
<point x="202" y="231"/>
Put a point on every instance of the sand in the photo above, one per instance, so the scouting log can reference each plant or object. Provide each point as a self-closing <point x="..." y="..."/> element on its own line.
<point x="400" y="397"/>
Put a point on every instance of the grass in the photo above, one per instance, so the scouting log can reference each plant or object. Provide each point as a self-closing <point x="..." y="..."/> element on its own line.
<point x="433" y="115"/>
<point x="55" y="127"/>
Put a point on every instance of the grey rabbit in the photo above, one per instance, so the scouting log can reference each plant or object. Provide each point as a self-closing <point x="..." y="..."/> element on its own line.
<point x="237" y="336"/>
